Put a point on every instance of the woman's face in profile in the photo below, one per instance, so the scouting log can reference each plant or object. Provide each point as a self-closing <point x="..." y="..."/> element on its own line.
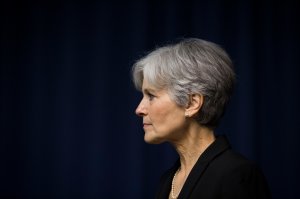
<point x="163" y="119"/>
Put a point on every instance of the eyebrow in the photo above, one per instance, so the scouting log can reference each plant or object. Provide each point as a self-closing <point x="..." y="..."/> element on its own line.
<point x="147" y="90"/>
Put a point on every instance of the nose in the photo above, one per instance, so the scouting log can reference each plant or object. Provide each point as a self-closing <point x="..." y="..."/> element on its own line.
<point x="141" y="109"/>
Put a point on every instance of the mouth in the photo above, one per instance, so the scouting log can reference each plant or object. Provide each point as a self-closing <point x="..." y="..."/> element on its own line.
<point x="146" y="125"/>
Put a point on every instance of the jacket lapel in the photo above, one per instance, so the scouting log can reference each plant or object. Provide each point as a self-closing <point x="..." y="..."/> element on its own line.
<point x="217" y="147"/>
<point x="166" y="181"/>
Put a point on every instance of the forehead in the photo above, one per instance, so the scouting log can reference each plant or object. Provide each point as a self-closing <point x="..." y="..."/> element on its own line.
<point x="146" y="86"/>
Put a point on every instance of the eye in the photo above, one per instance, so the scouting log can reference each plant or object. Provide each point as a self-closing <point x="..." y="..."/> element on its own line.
<point x="150" y="96"/>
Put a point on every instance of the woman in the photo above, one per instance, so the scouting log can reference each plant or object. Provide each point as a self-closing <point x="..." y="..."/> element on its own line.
<point x="185" y="89"/>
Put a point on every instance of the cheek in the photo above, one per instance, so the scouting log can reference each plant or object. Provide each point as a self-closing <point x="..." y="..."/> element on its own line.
<point x="157" y="114"/>
<point x="164" y="115"/>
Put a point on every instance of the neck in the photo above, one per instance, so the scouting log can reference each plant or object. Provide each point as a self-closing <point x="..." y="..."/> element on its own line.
<point x="192" y="145"/>
<point x="189" y="146"/>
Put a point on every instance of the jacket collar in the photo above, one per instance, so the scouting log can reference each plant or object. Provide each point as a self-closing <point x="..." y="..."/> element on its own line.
<point x="220" y="145"/>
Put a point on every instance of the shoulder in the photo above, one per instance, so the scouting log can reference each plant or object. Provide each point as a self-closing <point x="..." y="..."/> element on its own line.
<point x="239" y="176"/>
<point x="231" y="165"/>
<point x="232" y="160"/>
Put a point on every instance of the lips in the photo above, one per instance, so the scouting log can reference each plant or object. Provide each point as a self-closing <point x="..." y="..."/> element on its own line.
<point x="145" y="125"/>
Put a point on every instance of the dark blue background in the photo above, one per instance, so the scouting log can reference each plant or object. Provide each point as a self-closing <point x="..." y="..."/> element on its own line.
<point x="67" y="122"/>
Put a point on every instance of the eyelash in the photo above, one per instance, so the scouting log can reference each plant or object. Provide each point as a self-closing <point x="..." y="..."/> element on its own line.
<point x="150" y="96"/>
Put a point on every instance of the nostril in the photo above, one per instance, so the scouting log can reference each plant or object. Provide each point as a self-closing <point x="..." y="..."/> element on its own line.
<point x="139" y="111"/>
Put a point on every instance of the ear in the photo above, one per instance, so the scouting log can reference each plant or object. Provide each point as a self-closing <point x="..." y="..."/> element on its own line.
<point x="195" y="104"/>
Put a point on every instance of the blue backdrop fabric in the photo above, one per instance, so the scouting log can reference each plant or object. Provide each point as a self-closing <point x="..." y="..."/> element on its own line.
<point x="67" y="102"/>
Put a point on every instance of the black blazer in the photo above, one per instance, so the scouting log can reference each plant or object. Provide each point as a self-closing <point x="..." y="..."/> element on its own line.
<point x="219" y="173"/>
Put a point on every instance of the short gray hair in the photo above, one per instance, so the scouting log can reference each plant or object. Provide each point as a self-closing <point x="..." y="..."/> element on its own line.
<point x="192" y="66"/>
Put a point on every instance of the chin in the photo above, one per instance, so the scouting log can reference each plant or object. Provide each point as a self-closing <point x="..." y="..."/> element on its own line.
<point x="152" y="140"/>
